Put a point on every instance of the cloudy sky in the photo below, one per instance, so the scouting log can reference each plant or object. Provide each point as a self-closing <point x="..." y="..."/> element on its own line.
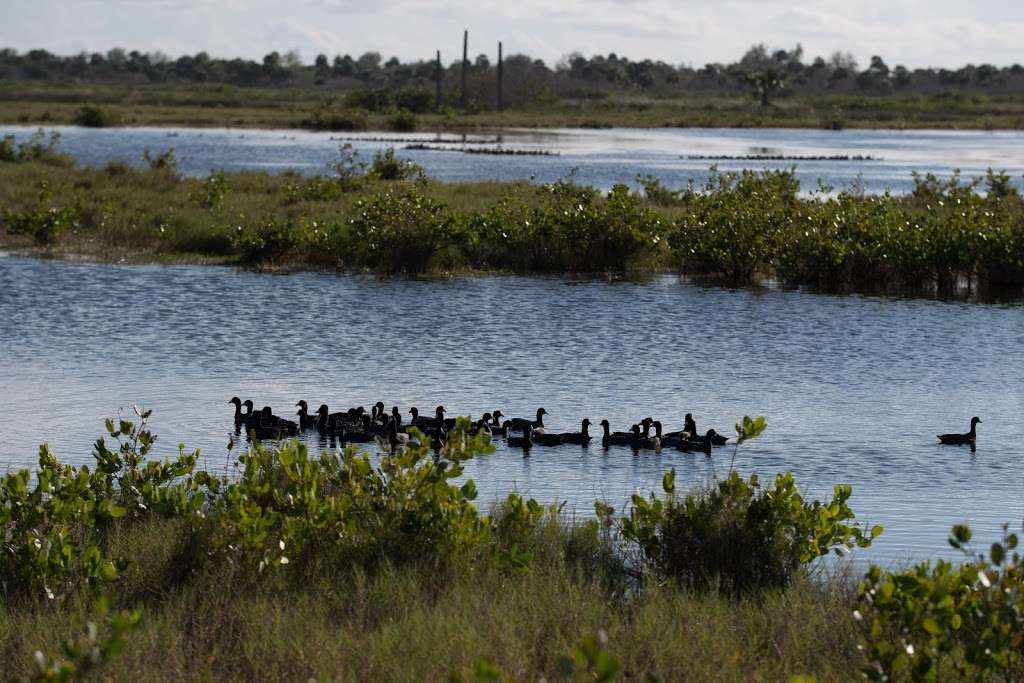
<point x="911" y="32"/>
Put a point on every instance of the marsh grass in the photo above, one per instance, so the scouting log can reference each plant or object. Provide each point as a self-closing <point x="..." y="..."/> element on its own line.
<point x="426" y="621"/>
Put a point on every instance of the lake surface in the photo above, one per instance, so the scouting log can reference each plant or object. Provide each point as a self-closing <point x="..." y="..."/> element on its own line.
<point x="600" y="158"/>
<point x="853" y="388"/>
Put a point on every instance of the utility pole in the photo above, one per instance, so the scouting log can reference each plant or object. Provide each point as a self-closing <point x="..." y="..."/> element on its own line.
<point x="465" y="67"/>
<point x="501" y="102"/>
<point x="438" y="75"/>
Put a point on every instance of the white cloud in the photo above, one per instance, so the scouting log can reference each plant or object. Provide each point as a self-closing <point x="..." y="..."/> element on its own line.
<point x="912" y="32"/>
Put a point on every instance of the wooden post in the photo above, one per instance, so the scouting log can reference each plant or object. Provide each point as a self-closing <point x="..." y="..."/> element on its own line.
<point x="501" y="103"/>
<point x="465" y="67"/>
<point x="439" y="74"/>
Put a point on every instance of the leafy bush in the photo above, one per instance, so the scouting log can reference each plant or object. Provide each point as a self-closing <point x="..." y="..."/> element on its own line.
<point x="44" y="223"/>
<point x="386" y="166"/>
<point x="394" y="231"/>
<point x="737" y="535"/>
<point x="731" y="229"/>
<point x="38" y="147"/>
<point x="370" y="99"/>
<point x="326" y="117"/>
<point x="212" y="191"/>
<point x="52" y="520"/>
<point x="92" y="116"/>
<point x="402" y="122"/>
<point x="91" y="650"/>
<point x="415" y="100"/>
<point x="936" y="621"/>
<point x="269" y="242"/>
<point x="164" y="162"/>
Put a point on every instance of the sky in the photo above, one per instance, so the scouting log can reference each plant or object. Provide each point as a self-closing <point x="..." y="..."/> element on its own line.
<point x="914" y="33"/>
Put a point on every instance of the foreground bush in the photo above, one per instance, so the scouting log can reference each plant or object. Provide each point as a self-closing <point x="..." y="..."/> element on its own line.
<point x="301" y="566"/>
<point x="736" y="535"/>
<point x="935" y="621"/>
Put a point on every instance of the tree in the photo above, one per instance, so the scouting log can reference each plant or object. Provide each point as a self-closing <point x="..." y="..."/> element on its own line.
<point x="765" y="83"/>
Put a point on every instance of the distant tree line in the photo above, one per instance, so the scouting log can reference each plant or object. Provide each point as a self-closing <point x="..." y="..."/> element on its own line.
<point x="761" y="72"/>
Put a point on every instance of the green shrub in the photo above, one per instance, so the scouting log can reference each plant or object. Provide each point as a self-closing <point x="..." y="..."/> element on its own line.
<point x="326" y="117"/>
<point x="386" y="166"/>
<point x="370" y="99"/>
<point x="44" y="223"/>
<point x="402" y="122"/>
<point x="92" y="116"/>
<point x="415" y="100"/>
<point x="269" y="242"/>
<point x="393" y="231"/>
<point x="38" y="147"/>
<point x="164" y="162"/>
<point x="736" y="535"/>
<point x="937" y="621"/>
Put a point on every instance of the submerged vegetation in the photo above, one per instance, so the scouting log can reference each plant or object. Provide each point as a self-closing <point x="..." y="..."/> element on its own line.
<point x="346" y="564"/>
<point x="947" y="237"/>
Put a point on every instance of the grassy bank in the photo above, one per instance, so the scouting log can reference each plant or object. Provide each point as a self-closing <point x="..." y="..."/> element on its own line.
<point x="351" y="567"/>
<point x="427" y="622"/>
<point x="307" y="107"/>
<point x="946" y="237"/>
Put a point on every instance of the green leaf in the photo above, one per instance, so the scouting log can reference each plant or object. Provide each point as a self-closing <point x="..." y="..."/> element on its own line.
<point x="998" y="553"/>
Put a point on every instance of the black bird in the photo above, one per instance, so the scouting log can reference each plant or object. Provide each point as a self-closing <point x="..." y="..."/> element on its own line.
<point x="689" y="425"/>
<point x="519" y="422"/>
<point x="967" y="439"/>
<point x="490" y="423"/>
<point x="581" y="438"/>
<point x="525" y="441"/>
<point x="239" y="415"/>
<point x="702" y="444"/>
<point x="640" y="441"/>
<point x="670" y="440"/>
<point x="542" y="438"/>
<point x="270" y="426"/>
<point x="306" y="421"/>
<point x="362" y="434"/>
<point x="435" y="422"/>
<point x="614" y="438"/>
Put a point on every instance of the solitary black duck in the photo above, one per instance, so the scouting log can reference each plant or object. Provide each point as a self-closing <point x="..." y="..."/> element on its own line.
<point x="967" y="439"/>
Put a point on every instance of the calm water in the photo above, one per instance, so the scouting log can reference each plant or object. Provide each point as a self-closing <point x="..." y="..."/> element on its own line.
<point x="853" y="388"/>
<point x="600" y="157"/>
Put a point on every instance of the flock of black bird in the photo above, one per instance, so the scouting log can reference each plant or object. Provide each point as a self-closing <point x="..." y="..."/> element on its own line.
<point x="355" y="425"/>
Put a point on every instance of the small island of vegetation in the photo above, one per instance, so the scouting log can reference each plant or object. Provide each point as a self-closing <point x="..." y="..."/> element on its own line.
<point x="947" y="237"/>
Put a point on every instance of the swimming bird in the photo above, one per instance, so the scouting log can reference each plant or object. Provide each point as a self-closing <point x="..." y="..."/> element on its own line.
<point x="270" y="426"/>
<point x="702" y="444"/>
<point x="967" y="439"/>
<point x="542" y="438"/>
<point x="306" y="421"/>
<point x="520" y="422"/>
<point x="239" y="415"/>
<point x="670" y="440"/>
<point x="428" y="422"/>
<point x="525" y="441"/>
<point x="581" y="438"/>
<point x="614" y="438"/>
<point x="362" y="434"/>
<point x="646" y="442"/>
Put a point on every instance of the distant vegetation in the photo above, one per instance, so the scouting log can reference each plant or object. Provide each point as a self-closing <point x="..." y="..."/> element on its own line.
<point x="950" y="237"/>
<point x="765" y="87"/>
<point x="374" y="83"/>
